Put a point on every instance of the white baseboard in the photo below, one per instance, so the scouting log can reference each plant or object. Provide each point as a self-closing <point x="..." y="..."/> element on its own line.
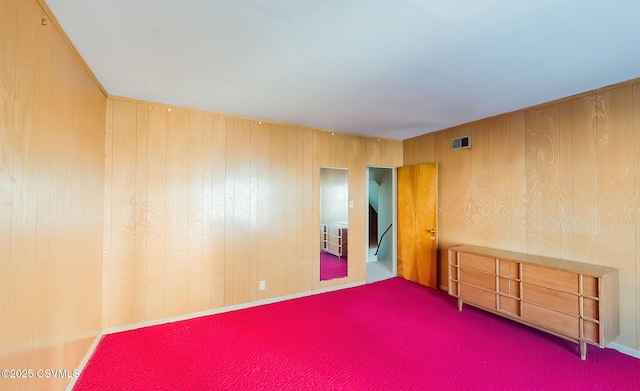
<point x="220" y="310"/>
<point x="623" y="349"/>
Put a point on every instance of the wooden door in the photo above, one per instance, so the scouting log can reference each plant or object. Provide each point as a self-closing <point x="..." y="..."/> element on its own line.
<point x="418" y="223"/>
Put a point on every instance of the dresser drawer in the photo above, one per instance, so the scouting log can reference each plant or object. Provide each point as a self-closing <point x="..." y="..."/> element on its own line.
<point x="334" y="248"/>
<point x="552" y="320"/>
<point x="551" y="278"/>
<point x="478" y="262"/>
<point x="477" y="296"/>
<point x="508" y="269"/>
<point x="551" y="298"/>
<point x="478" y="279"/>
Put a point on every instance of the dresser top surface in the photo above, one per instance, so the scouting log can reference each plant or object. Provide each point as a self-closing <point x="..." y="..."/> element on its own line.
<point x="579" y="267"/>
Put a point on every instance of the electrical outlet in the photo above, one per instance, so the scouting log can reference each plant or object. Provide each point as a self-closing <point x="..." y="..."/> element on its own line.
<point x="263" y="285"/>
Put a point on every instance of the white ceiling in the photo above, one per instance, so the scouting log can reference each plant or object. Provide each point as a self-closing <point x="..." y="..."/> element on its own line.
<point x="395" y="68"/>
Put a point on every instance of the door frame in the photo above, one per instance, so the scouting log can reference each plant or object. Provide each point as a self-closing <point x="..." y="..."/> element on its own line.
<point x="394" y="211"/>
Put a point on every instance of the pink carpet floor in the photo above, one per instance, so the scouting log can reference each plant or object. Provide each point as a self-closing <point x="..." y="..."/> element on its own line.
<point x="332" y="267"/>
<point x="391" y="335"/>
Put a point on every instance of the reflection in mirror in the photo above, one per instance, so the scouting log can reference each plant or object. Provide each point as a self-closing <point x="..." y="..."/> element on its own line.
<point x="334" y="215"/>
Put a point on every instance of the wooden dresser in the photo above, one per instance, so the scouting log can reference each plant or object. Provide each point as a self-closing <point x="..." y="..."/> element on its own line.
<point x="572" y="300"/>
<point x="334" y="239"/>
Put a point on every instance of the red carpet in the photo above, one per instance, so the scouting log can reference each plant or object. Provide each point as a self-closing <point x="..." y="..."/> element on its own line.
<point x="332" y="267"/>
<point x="391" y="335"/>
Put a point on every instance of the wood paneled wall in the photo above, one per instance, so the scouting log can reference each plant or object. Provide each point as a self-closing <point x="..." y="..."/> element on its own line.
<point x="51" y="197"/>
<point x="200" y="207"/>
<point x="560" y="179"/>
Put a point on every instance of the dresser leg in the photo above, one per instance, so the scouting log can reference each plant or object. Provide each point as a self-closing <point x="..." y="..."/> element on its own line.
<point x="460" y="305"/>
<point x="583" y="350"/>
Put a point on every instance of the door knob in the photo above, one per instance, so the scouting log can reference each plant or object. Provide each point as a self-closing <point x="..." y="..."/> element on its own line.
<point x="432" y="231"/>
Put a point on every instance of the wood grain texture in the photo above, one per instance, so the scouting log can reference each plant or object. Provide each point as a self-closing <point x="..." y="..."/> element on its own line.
<point x="417" y="214"/>
<point x="8" y="22"/>
<point x="241" y="211"/>
<point x="195" y="211"/>
<point x="568" y="185"/>
<point x="44" y="174"/>
<point x="156" y="212"/>
<point x="229" y="202"/>
<point x="263" y="213"/>
<point x="107" y="224"/>
<point x="616" y="201"/>
<point x="123" y="214"/>
<point x="518" y="191"/>
<point x="177" y="209"/>
<point x="218" y="211"/>
<point x="636" y="138"/>
<point x="357" y="177"/>
<point x="52" y="167"/>
<point x="140" y="213"/>
<point x="25" y="185"/>
<point x="448" y="217"/>
<point x="585" y="179"/>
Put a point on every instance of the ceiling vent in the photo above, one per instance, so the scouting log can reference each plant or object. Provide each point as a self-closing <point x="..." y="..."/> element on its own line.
<point x="461" y="143"/>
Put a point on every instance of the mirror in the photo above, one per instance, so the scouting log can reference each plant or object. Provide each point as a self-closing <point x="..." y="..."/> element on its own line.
<point x="334" y="217"/>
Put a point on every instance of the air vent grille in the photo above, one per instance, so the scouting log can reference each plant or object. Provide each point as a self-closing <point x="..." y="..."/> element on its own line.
<point x="461" y="142"/>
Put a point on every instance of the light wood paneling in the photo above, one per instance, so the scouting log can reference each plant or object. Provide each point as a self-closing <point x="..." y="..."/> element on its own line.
<point x="8" y="21"/>
<point x="616" y="200"/>
<point x="25" y="166"/>
<point x="229" y="202"/>
<point x="263" y="215"/>
<point x="636" y="139"/>
<point x="156" y="214"/>
<point x="123" y="236"/>
<point x="585" y="178"/>
<point x="518" y="191"/>
<point x="568" y="186"/>
<point x="177" y="212"/>
<point x="140" y="213"/>
<point x="52" y="166"/>
<point x="218" y="217"/>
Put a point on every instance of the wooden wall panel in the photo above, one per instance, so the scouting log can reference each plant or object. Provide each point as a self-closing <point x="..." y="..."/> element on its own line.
<point x="241" y="236"/>
<point x="107" y="224"/>
<point x="291" y="259"/>
<point x="518" y="195"/>
<point x="543" y="180"/>
<point x="308" y="219"/>
<point x="52" y="167"/>
<point x="207" y="210"/>
<point x="177" y="212"/>
<point x="44" y="175"/>
<point x="559" y="179"/>
<point x="255" y="237"/>
<point x="263" y="215"/>
<point x="140" y="214"/>
<point x="8" y="22"/>
<point x="123" y="234"/>
<point x="277" y="285"/>
<point x="25" y="165"/>
<point x="229" y="202"/>
<point x="156" y="223"/>
<point x="195" y="205"/>
<point x="636" y="139"/>
<point x="616" y="199"/>
<point x="357" y="214"/>
<point x="218" y="208"/>
<point x="449" y="218"/>
<point x="585" y="178"/>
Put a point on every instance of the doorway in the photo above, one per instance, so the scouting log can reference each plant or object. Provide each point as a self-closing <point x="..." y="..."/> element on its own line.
<point x="381" y="238"/>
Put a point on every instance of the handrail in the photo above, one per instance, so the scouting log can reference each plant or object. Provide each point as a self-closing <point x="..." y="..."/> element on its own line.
<point x="380" y="241"/>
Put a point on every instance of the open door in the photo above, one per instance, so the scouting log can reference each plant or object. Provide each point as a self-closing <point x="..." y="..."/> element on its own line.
<point x="418" y="223"/>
